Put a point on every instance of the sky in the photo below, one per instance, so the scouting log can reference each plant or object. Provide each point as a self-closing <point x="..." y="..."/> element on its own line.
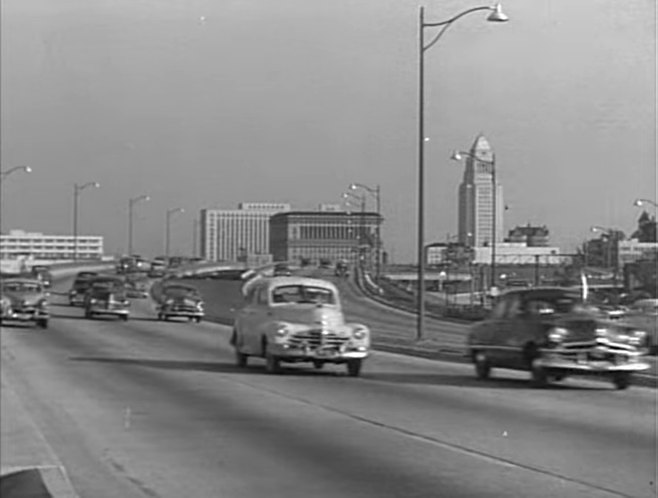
<point x="205" y="104"/>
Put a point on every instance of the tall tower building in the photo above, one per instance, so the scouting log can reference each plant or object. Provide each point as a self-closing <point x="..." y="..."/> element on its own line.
<point x="476" y="198"/>
<point x="229" y="234"/>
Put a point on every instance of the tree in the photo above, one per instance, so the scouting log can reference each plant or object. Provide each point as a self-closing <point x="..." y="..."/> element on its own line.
<point x="646" y="228"/>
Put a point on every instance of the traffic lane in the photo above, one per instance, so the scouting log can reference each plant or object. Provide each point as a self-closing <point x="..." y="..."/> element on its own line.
<point x="126" y="377"/>
<point x="162" y="428"/>
<point x="579" y="421"/>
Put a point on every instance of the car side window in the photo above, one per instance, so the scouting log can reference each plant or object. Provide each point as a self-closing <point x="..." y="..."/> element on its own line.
<point x="261" y="296"/>
<point x="513" y="308"/>
<point x="499" y="309"/>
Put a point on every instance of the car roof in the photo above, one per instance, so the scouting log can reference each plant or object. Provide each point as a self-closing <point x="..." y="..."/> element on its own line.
<point x="273" y="282"/>
<point x="22" y="281"/>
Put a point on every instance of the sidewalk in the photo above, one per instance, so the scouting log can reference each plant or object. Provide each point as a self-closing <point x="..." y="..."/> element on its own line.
<point x="28" y="465"/>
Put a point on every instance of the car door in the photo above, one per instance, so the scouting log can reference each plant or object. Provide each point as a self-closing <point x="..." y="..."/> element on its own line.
<point x="488" y="331"/>
<point x="504" y="345"/>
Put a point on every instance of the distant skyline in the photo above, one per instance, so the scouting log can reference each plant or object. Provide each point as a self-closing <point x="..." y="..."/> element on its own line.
<point x="205" y="104"/>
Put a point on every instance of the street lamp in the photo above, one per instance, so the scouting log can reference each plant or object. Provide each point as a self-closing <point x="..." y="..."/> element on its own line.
<point x="3" y="175"/>
<point x="170" y="213"/>
<point x="458" y="155"/>
<point x="376" y="192"/>
<point x="131" y="203"/>
<point x="642" y="202"/>
<point x="496" y="15"/>
<point x="76" y="193"/>
<point x="608" y="233"/>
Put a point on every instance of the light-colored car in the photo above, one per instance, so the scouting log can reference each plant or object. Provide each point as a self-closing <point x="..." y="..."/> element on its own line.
<point x="552" y="333"/>
<point x="24" y="300"/>
<point x="180" y="300"/>
<point x="297" y="319"/>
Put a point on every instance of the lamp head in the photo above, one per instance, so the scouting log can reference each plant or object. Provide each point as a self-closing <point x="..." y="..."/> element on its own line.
<point x="638" y="202"/>
<point x="497" y="15"/>
<point x="353" y="186"/>
<point x="456" y="155"/>
<point x="27" y="169"/>
<point x="96" y="185"/>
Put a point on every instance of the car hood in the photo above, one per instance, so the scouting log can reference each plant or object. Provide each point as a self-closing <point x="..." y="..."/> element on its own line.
<point x="29" y="298"/>
<point x="311" y="314"/>
<point x="185" y="300"/>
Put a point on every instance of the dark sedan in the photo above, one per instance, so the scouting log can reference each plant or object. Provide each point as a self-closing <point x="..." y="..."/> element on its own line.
<point x="553" y="334"/>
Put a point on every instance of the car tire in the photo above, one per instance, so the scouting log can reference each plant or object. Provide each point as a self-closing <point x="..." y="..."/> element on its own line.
<point x="272" y="362"/>
<point x="354" y="367"/>
<point x="124" y="318"/>
<point x="482" y="365"/>
<point x="89" y="314"/>
<point x="42" y="324"/>
<point x="621" y="380"/>
<point x="539" y="374"/>
<point x="241" y="359"/>
<point x="197" y="319"/>
<point x="317" y="364"/>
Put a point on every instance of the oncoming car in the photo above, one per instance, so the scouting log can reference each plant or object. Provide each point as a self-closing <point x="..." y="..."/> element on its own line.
<point x="107" y="296"/>
<point x="24" y="300"/>
<point x="180" y="300"/>
<point x="553" y="334"/>
<point x="297" y="319"/>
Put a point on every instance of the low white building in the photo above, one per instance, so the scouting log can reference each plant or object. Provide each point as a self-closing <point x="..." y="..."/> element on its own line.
<point x="18" y="244"/>
<point x="511" y="253"/>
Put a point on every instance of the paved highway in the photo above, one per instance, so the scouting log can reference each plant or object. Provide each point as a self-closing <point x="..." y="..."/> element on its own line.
<point x="152" y="409"/>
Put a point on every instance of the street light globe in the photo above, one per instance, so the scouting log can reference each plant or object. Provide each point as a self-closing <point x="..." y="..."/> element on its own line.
<point x="497" y="15"/>
<point x="27" y="169"/>
<point x="456" y="155"/>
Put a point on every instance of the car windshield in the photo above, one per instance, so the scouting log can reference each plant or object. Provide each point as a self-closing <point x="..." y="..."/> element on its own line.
<point x="556" y="303"/>
<point x="180" y="292"/>
<point x="21" y="287"/>
<point x="303" y="294"/>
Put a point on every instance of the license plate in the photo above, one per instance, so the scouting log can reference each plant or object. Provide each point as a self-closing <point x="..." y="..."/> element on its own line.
<point x="600" y="364"/>
<point x="326" y="352"/>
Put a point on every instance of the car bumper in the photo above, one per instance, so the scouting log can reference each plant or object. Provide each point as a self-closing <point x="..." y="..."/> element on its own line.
<point x="186" y="314"/>
<point x="76" y="300"/>
<point x="329" y="354"/>
<point x="592" y="366"/>
<point x="25" y="316"/>
<point x="104" y="311"/>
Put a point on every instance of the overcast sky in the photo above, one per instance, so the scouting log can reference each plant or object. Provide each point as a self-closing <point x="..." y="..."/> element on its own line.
<point x="207" y="103"/>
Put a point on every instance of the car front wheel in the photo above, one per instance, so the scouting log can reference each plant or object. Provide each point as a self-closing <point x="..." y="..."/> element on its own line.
<point x="354" y="367"/>
<point x="482" y="365"/>
<point x="622" y="380"/>
<point x="539" y="374"/>
<point x="272" y="362"/>
<point x="43" y="324"/>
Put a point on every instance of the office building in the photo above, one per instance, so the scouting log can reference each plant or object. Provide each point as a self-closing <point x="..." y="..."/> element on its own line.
<point x="237" y="234"/>
<point x="20" y="244"/>
<point x="476" y="198"/>
<point x="311" y="236"/>
<point x="532" y="236"/>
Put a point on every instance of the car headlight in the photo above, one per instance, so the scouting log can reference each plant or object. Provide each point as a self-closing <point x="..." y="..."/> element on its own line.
<point x="637" y="338"/>
<point x="557" y="334"/>
<point x="282" y="330"/>
<point x="43" y="304"/>
<point x="199" y="306"/>
<point x="360" y="333"/>
<point x="169" y="302"/>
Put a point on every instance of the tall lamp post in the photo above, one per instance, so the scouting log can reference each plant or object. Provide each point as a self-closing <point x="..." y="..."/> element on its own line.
<point x="76" y="193"/>
<point x="362" y="202"/>
<point x="458" y="155"/>
<point x="170" y="213"/>
<point x="376" y="192"/>
<point x="496" y="15"/>
<point x="131" y="204"/>
<point x="5" y="174"/>
<point x="608" y="232"/>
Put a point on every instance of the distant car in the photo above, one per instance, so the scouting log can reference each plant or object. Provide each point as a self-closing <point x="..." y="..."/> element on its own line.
<point x="24" y="300"/>
<point x="282" y="270"/>
<point x="180" y="300"/>
<point x="79" y="289"/>
<point x="137" y="288"/>
<point x="297" y="319"/>
<point x="342" y="269"/>
<point x="42" y="273"/>
<point x="107" y="300"/>
<point x="643" y="314"/>
<point x="552" y="333"/>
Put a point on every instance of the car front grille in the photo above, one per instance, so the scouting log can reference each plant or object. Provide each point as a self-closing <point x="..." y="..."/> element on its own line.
<point x="317" y="337"/>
